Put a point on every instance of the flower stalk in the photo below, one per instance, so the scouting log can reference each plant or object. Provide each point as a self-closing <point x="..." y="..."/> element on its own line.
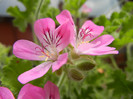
<point x="61" y="79"/>
<point x="36" y="17"/>
<point x="114" y="62"/>
<point x="38" y="9"/>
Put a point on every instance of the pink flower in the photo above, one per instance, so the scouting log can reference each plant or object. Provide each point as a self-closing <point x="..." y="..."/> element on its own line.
<point x="29" y="91"/>
<point x="52" y="42"/>
<point x="85" y="9"/>
<point x="5" y="93"/>
<point x="86" y="41"/>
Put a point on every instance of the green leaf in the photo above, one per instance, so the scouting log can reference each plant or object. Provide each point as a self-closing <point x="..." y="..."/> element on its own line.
<point x="22" y="18"/>
<point x="128" y="7"/>
<point x="123" y="14"/>
<point x="120" y="85"/>
<point x="125" y="39"/>
<point x="11" y="72"/>
<point x="4" y="55"/>
<point x="127" y="24"/>
<point x="73" y="6"/>
<point x="111" y="29"/>
<point x="114" y="15"/>
<point x="102" y="20"/>
<point x="50" y="12"/>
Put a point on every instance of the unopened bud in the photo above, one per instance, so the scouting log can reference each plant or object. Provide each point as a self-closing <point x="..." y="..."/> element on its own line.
<point x="76" y="75"/>
<point x="74" y="55"/>
<point x="86" y="65"/>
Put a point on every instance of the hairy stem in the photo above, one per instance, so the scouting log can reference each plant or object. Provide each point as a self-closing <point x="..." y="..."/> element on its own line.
<point x="61" y="79"/>
<point x="34" y="36"/>
<point x="38" y="9"/>
<point x="36" y="17"/>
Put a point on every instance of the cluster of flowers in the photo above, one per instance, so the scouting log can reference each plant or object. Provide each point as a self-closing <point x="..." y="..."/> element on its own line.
<point x="53" y="41"/>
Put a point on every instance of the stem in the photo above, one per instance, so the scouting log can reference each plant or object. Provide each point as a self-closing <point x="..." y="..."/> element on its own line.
<point x="69" y="88"/>
<point x="34" y="36"/>
<point x="129" y="54"/>
<point x="61" y="79"/>
<point x="38" y="9"/>
<point x="114" y="62"/>
<point x="36" y="17"/>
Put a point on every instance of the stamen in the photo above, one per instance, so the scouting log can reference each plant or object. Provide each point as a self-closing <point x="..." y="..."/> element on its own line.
<point x="41" y="56"/>
<point x="46" y="59"/>
<point x="83" y="35"/>
<point x="51" y="41"/>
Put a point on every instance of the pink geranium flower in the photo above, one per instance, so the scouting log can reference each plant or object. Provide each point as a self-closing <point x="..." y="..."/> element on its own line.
<point x="52" y="42"/>
<point x="29" y="91"/>
<point x="5" y="93"/>
<point x="86" y="41"/>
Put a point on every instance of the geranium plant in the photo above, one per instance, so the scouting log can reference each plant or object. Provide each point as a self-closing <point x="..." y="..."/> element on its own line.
<point x="77" y="61"/>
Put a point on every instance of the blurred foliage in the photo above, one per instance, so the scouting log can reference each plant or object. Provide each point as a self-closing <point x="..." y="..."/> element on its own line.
<point x="23" y="18"/>
<point x="73" y="6"/>
<point x="103" y="82"/>
<point x="4" y="56"/>
<point x="31" y="13"/>
<point x="11" y="71"/>
<point x="119" y="25"/>
<point x="16" y="66"/>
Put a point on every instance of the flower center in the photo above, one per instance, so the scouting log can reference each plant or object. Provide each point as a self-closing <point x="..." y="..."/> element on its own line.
<point x="49" y="52"/>
<point x="49" y="46"/>
<point x="84" y="36"/>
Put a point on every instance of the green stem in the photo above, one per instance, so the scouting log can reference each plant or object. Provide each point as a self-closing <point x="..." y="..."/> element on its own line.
<point x="34" y="36"/>
<point x="114" y="62"/>
<point x="36" y="17"/>
<point x="38" y="9"/>
<point x="61" y="79"/>
<point x="129" y="54"/>
<point x="69" y="88"/>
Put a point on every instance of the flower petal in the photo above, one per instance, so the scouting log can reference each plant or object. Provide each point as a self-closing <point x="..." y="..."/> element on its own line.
<point x="51" y="91"/>
<point x="5" y="93"/>
<point x="43" y="26"/>
<point x="62" y="59"/>
<point x="85" y="46"/>
<point x="30" y="91"/>
<point x="104" y="40"/>
<point x="64" y="16"/>
<point x="27" y="50"/>
<point x="35" y="73"/>
<point x="100" y="51"/>
<point x="62" y="35"/>
<point x="94" y="29"/>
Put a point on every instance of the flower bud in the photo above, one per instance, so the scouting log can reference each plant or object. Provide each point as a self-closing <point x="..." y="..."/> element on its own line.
<point x="74" y="55"/>
<point x="76" y="75"/>
<point x="86" y="65"/>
